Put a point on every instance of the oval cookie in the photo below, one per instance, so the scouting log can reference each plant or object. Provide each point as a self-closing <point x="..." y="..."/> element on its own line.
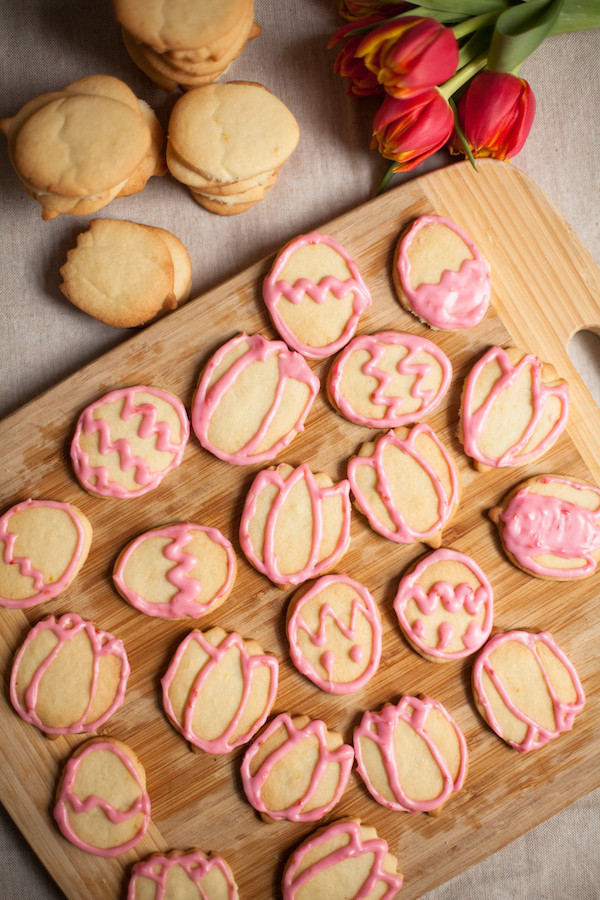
<point x="43" y="545"/>
<point x="315" y="295"/>
<point x="219" y="689"/>
<point x="526" y="688"/>
<point x="334" y="632"/>
<point x="412" y="756"/>
<point x="179" y="570"/>
<point x="513" y="408"/>
<point x="194" y="875"/>
<point x="406" y="484"/>
<point x="102" y="805"/>
<point x="127" y="441"/>
<point x="445" y="606"/>
<point x="440" y="275"/>
<point x="68" y="677"/>
<point x="296" y="769"/>
<point x="550" y="527"/>
<point x="295" y="524"/>
<point x="388" y="379"/>
<point x="252" y="399"/>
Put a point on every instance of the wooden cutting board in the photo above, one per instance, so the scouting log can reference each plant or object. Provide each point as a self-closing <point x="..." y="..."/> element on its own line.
<point x="545" y="288"/>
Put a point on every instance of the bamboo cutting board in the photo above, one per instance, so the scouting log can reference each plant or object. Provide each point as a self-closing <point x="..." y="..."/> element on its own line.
<point x="545" y="288"/>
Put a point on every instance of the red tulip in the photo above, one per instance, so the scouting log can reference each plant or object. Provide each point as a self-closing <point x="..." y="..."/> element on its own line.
<point x="362" y="82"/>
<point x="358" y="9"/>
<point x="409" y="129"/>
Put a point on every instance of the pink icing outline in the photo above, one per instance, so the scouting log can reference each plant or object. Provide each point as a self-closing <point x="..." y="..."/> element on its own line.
<point x="473" y="423"/>
<point x="452" y="598"/>
<point x="149" y="428"/>
<point x="224" y="743"/>
<point x="365" y="604"/>
<point x="253" y="784"/>
<point x="380" y="727"/>
<point x="375" y="345"/>
<point x="354" y="848"/>
<point x="195" y="865"/>
<point x="66" y="795"/>
<point x="44" y="591"/>
<point x="274" y="289"/>
<point x="66" y="629"/>
<point x="564" y="713"/>
<point x="184" y="602"/>
<point x="404" y="534"/>
<point x="268" y="565"/>
<point x="466" y="292"/>
<point x="208" y="397"/>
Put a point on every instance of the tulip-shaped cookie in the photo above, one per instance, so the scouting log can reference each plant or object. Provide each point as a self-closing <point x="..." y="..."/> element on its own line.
<point x="193" y="875"/>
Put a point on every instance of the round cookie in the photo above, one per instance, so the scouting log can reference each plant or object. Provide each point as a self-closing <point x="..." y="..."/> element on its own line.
<point x="335" y="634"/>
<point x="102" y="806"/>
<point x="549" y="526"/>
<point x="193" y="874"/>
<point x="295" y="525"/>
<point x="219" y="689"/>
<point x="411" y="756"/>
<point x="179" y="570"/>
<point x="68" y="677"/>
<point x="513" y="409"/>
<point x="296" y="769"/>
<point x="315" y="295"/>
<point x="43" y="545"/>
<point x="526" y="688"/>
<point x="388" y="379"/>
<point x="440" y="275"/>
<point x="127" y="441"/>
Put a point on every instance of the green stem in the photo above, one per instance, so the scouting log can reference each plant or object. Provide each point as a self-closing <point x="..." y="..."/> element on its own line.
<point x="386" y="179"/>
<point x="461" y="135"/>
<point x="475" y="23"/>
<point x="463" y="75"/>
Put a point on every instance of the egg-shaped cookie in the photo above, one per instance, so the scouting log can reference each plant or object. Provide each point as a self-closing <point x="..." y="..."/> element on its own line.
<point x="193" y="875"/>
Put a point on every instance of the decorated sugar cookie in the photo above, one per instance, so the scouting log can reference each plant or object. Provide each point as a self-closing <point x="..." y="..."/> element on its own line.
<point x="219" y="689"/>
<point x="295" y="524"/>
<point x="334" y="632"/>
<point x="182" y="569"/>
<point x="388" y="379"/>
<point x="102" y="805"/>
<point x="440" y="275"/>
<point x="194" y="875"/>
<point x="526" y="688"/>
<point x="342" y="860"/>
<point x="445" y="605"/>
<point x="406" y="484"/>
<point x="296" y="769"/>
<point x="127" y="441"/>
<point x="411" y="756"/>
<point x="550" y="527"/>
<point x="68" y="677"/>
<point x="315" y="295"/>
<point x="43" y="545"/>
<point x="252" y="399"/>
<point x="513" y="408"/>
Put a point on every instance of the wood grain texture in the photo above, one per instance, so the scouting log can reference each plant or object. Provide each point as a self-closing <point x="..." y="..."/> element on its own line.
<point x="545" y="288"/>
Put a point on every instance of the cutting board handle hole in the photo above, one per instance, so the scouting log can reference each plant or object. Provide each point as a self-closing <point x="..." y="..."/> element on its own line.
<point x="584" y="352"/>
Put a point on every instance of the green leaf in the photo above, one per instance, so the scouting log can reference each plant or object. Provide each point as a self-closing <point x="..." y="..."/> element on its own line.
<point x="464" y="8"/>
<point x="519" y="31"/>
<point x="439" y="15"/>
<point x="577" y="15"/>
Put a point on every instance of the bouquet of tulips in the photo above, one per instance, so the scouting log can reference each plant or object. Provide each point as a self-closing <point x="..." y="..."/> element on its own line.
<point x="447" y="70"/>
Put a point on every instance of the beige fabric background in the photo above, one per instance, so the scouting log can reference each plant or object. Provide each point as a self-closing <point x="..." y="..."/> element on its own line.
<point x="45" y="44"/>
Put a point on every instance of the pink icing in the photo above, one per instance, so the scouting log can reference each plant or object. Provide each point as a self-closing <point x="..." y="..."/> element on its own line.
<point x="355" y="847"/>
<point x="97" y="479"/>
<point x="461" y="299"/>
<point x="226" y="742"/>
<point x="453" y="598"/>
<point x="380" y="727"/>
<point x="364" y="605"/>
<point x="66" y="629"/>
<point x="43" y="590"/>
<point x="538" y="524"/>
<point x="67" y="797"/>
<point x="275" y="288"/>
<point x="376" y="345"/>
<point x="404" y="533"/>
<point x="265" y="558"/>
<point x="564" y="712"/>
<point x="254" y="784"/>
<point x="208" y="397"/>
<point x="473" y="422"/>
<point x="187" y="601"/>
<point x="195" y="865"/>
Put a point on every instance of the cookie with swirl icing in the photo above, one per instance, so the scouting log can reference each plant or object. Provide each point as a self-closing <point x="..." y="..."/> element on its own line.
<point x="193" y="874"/>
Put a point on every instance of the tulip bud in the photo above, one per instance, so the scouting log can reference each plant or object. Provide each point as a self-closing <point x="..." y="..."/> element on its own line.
<point x="409" y="129"/>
